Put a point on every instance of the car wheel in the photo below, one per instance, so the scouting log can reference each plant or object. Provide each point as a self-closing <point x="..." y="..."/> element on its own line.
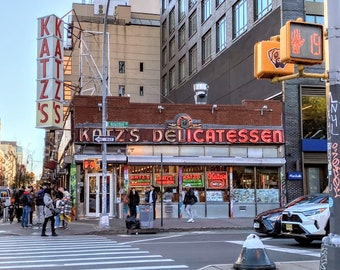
<point x="303" y="241"/>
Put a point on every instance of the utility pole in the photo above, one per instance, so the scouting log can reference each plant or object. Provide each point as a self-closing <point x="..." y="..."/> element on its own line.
<point x="104" y="219"/>
<point x="330" y="251"/>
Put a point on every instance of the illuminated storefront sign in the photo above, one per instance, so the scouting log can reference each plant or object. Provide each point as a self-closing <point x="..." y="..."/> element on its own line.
<point x="200" y="136"/>
<point x="217" y="180"/>
<point x="196" y="180"/>
<point x="168" y="179"/>
<point x="140" y="180"/>
<point x="50" y="73"/>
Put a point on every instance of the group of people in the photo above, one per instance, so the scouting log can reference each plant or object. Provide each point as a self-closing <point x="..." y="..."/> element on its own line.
<point x="43" y="200"/>
<point x="132" y="199"/>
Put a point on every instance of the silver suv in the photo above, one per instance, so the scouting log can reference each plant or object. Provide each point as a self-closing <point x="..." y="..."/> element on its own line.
<point x="306" y="222"/>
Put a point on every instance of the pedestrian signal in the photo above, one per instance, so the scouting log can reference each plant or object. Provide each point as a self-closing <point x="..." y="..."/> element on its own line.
<point x="267" y="61"/>
<point x="302" y="43"/>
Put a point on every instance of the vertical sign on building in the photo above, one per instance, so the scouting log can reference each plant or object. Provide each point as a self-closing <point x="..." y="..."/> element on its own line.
<point x="50" y="73"/>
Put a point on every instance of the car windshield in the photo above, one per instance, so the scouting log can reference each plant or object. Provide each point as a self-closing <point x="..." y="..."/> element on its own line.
<point x="313" y="198"/>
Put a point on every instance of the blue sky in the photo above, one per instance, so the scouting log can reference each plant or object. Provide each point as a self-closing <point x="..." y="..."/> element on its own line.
<point x="18" y="47"/>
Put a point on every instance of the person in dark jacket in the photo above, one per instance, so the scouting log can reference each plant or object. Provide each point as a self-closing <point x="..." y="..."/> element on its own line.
<point x="133" y="201"/>
<point x="189" y="201"/>
<point x="152" y="198"/>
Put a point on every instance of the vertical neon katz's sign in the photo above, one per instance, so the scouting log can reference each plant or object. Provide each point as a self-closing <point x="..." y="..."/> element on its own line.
<point x="50" y="73"/>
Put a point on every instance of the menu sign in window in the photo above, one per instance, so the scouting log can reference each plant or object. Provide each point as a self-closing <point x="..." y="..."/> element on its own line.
<point x="214" y="196"/>
<point x="168" y="179"/>
<point x="217" y="180"/>
<point x="140" y="180"/>
<point x="196" y="180"/>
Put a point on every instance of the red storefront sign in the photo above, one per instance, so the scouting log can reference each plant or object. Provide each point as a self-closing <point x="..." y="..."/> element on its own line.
<point x="217" y="180"/>
<point x="140" y="180"/>
<point x="168" y="179"/>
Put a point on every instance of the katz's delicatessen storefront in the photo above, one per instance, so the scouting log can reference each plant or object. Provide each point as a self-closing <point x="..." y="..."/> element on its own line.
<point x="235" y="170"/>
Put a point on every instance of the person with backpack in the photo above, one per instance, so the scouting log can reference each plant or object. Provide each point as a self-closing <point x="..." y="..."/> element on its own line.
<point x="25" y="201"/>
<point x="49" y="205"/>
<point x="189" y="200"/>
<point x="39" y="201"/>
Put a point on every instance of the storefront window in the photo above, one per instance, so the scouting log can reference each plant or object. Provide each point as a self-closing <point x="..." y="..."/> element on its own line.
<point x="260" y="184"/>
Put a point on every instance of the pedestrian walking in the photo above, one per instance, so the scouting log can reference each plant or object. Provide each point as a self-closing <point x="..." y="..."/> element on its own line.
<point x="25" y="201"/>
<point x="133" y="201"/>
<point x="33" y="205"/>
<point x="39" y="201"/>
<point x="189" y="200"/>
<point x="48" y="201"/>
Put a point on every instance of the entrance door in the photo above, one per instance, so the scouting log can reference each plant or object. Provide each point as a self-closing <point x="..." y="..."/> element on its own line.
<point x="94" y="194"/>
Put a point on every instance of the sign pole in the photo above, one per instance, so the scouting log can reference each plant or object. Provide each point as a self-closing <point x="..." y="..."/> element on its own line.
<point x="104" y="219"/>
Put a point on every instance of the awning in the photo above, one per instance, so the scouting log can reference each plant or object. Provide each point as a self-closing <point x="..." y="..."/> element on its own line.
<point x="205" y="160"/>
<point x="109" y="158"/>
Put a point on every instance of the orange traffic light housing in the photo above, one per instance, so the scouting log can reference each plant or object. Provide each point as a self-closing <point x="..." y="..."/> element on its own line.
<point x="267" y="61"/>
<point x="302" y="43"/>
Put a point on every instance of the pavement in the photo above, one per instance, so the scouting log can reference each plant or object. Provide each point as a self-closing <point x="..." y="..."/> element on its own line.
<point x="92" y="226"/>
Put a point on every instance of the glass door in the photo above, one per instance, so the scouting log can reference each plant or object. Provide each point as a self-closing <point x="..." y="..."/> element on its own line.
<point x="94" y="194"/>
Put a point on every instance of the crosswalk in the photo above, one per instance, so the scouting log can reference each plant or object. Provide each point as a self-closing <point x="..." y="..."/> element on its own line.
<point x="77" y="252"/>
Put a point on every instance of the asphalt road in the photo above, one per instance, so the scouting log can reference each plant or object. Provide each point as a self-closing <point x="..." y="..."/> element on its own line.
<point x="200" y="249"/>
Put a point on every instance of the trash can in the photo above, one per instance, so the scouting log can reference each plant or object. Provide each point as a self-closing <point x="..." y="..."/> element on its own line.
<point x="146" y="216"/>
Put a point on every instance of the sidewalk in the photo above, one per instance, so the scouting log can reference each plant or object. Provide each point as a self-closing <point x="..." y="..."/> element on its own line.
<point x="117" y="226"/>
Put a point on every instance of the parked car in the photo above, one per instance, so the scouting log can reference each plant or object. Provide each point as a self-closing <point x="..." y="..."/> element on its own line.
<point x="269" y="222"/>
<point x="306" y="222"/>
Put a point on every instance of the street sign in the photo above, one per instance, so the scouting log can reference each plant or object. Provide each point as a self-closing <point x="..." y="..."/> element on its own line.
<point x="101" y="139"/>
<point x="117" y="124"/>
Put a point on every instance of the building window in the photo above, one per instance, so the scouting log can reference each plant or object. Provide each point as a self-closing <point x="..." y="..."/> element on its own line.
<point x="67" y="65"/>
<point x="262" y="7"/>
<point x="193" y="24"/>
<point x="164" y="32"/>
<point x="315" y="19"/>
<point x="219" y="2"/>
<point x="181" y="9"/>
<point x="172" y="78"/>
<point x="191" y="3"/>
<point x="164" y="55"/>
<point x="221" y="34"/>
<point x="206" y="10"/>
<point x="181" y="69"/>
<point x="121" y="66"/>
<point x="141" y="91"/>
<point x="193" y="60"/>
<point x="67" y="91"/>
<point x="239" y="18"/>
<point x="172" y="21"/>
<point x="164" y="5"/>
<point x="121" y="90"/>
<point x="141" y="66"/>
<point x="181" y="36"/>
<point x="206" y="47"/>
<point x="314" y="114"/>
<point x="171" y="48"/>
<point x="165" y="91"/>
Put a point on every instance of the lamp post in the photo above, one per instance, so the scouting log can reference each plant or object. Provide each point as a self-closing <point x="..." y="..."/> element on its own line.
<point x="104" y="219"/>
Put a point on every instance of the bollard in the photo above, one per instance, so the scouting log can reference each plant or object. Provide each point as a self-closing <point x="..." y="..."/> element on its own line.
<point x="253" y="255"/>
<point x="330" y="247"/>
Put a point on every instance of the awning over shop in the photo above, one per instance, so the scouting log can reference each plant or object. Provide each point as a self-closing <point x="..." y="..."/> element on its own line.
<point x="109" y="158"/>
<point x="205" y="160"/>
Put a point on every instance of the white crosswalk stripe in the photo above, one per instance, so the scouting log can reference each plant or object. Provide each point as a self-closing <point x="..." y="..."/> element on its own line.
<point x="77" y="252"/>
<point x="282" y="249"/>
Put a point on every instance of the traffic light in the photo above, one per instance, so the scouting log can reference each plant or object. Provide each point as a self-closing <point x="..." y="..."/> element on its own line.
<point x="267" y="60"/>
<point x="91" y="164"/>
<point x="302" y="43"/>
